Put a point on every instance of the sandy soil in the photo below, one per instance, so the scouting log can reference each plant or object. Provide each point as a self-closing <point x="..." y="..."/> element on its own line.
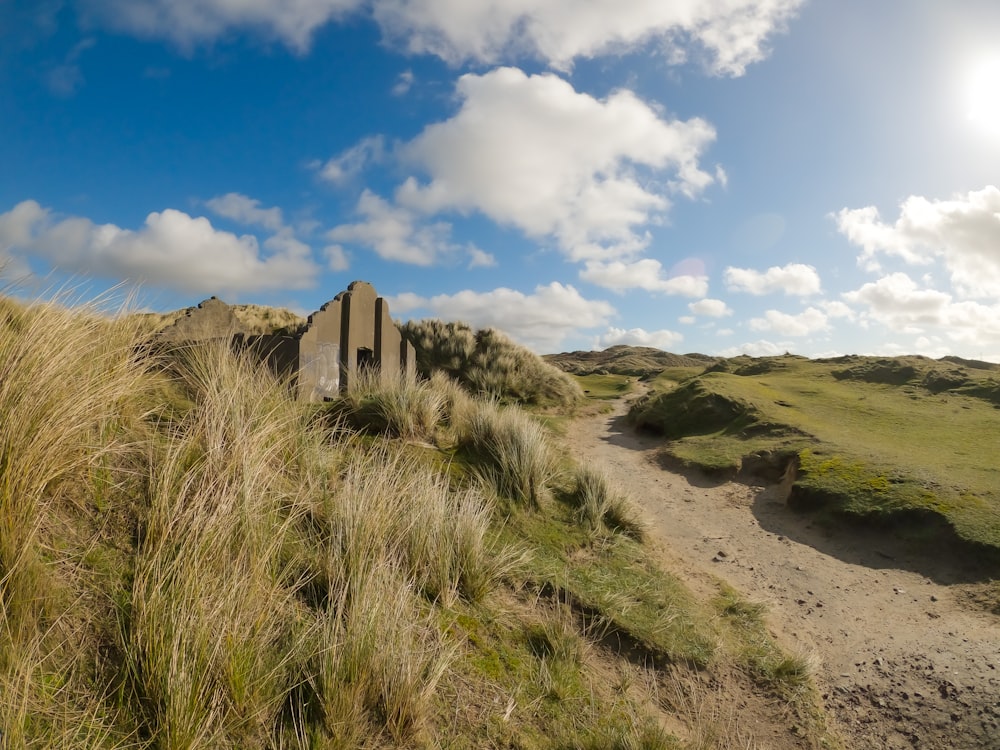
<point x="901" y="663"/>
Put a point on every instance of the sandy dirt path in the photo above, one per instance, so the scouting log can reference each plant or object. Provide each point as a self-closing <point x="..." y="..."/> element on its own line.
<point x="901" y="663"/>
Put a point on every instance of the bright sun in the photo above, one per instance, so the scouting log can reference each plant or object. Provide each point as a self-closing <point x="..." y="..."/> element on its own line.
<point x="983" y="95"/>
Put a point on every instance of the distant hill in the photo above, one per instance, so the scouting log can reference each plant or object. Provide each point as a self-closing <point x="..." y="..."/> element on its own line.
<point x="625" y="360"/>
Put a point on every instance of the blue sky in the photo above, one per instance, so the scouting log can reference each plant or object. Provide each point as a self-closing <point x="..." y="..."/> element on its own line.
<point x="720" y="176"/>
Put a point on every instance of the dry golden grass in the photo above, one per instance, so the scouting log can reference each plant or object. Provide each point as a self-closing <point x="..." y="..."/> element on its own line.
<point x="488" y="363"/>
<point x="191" y="558"/>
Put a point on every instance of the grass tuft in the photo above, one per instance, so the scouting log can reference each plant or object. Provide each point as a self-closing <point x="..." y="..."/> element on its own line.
<point x="599" y="507"/>
<point x="394" y="404"/>
<point x="512" y="453"/>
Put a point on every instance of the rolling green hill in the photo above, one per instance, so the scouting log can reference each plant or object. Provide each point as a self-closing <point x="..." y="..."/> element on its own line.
<point x="881" y="439"/>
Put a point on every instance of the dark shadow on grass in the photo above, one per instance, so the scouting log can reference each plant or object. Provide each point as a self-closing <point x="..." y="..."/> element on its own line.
<point x="623" y="434"/>
<point x="917" y="543"/>
<point x="921" y="543"/>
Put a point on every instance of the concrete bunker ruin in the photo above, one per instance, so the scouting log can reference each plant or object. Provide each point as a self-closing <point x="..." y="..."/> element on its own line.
<point x="211" y="319"/>
<point x="348" y="335"/>
<point x="351" y="333"/>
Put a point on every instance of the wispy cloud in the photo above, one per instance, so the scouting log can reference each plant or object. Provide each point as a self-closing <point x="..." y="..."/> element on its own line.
<point x="352" y="161"/>
<point x="804" y="323"/>
<point x="647" y="274"/>
<point x="396" y="233"/>
<point x="661" y="339"/>
<point x="726" y="36"/>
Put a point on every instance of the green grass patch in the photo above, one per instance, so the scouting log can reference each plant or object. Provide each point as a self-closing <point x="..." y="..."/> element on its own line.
<point x="672" y="376"/>
<point x="603" y="387"/>
<point x="875" y="438"/>
<point x="743" y="625"/>
<point x="616" y="586"/>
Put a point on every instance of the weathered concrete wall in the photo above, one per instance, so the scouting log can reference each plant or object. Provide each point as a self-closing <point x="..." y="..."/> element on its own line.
<point x="211" y="319"/>
<point x="387" y="339"/>
<point x="354" y="327"/>
<point x="407" y="358"/>
<point x="281" y="353"/>
<point x="319" y="359"/>
<point x="357" y="328"/>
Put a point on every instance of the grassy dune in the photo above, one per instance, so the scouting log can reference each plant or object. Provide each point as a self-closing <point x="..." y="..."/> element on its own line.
<point x="190" y="558"/>
<point x="876" y="439"/>
<point x="488" y="363"/>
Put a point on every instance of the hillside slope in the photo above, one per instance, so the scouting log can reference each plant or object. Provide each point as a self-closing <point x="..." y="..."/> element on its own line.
<point x="192" y="558"/>
<point x="487" y="362"/>
<point x="256" y="319"/>
<point x="902" y="659"/>
<point x="891" y="440"/>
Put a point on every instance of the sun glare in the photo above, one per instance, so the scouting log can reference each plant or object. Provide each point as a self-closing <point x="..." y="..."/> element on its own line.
<point x="983" y="95"/>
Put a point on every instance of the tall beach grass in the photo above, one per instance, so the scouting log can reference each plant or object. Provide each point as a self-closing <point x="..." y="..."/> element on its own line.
<point x="489" y="363"/>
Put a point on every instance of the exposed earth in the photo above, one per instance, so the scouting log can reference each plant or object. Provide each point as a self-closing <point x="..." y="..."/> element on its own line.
<point x="901" y="660"/>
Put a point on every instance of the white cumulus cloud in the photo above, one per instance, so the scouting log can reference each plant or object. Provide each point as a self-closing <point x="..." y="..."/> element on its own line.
<point x="759" y="348"/>
<point x="662" y="339"/>
<point x="541" y="320"/>
<point x="897" y="302"/>
<point x="171" y="249"/>
<point x="837" y="309"/>
<point x="808" y="321"/>
<point x="395" y="233"/>
<point x="644" y="274"/>
<point x="963" y="233"/>
<point x="710" y="308"/>
<point x="795" y="279"/>
<point x="532" y="152"/>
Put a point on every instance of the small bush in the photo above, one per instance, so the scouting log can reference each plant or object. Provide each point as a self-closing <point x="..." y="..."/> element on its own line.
<point x="393" y="404"/>
<point x="598" y="506"/>
<point x="487" y="362"/>
<point x="457" y="406"/>
<point x="512" y="452"/>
